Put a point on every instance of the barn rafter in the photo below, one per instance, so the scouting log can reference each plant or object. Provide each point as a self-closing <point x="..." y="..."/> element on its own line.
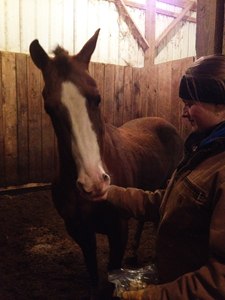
<point x="123" y="12"/>
<point x="186" y="6"/>
<point x="189" y="6"/>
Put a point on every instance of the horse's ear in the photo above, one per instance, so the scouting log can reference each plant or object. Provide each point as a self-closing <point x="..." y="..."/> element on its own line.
<point x="38" y="55"/>
<point x="86" y="52"/>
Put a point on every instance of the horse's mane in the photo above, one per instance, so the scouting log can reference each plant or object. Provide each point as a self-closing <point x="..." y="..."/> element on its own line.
<point x="59" y="51"/>
<point x="62" y="60"/>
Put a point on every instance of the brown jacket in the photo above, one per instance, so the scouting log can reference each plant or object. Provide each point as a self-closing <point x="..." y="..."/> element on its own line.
<point x="191" y="226"/>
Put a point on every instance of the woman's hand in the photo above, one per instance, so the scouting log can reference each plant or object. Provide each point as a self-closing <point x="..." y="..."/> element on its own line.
<point x="99" y="196"/>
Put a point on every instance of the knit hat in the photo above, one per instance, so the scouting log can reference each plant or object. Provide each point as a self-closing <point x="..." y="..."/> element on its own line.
<point x="208" y="90"/>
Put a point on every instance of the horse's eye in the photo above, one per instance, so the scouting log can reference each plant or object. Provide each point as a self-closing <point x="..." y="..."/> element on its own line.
<point x="94" y="101"/>
<point x="97" y="100"/>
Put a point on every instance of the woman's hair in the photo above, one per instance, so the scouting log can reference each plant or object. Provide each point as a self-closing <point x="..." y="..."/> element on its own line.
<point x="204" y="80"/>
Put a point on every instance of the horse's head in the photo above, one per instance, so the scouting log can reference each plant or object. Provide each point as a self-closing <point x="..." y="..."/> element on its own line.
<point x="72" y="99"/>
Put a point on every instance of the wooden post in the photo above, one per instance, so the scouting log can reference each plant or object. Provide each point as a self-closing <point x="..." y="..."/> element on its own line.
<point x="150" y="32"/>
<point x="210" y="26"/>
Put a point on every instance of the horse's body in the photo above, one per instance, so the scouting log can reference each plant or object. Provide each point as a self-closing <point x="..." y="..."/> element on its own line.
<point x="142" y="153"/>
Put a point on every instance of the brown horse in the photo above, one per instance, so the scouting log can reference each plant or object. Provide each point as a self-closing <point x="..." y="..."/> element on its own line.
<point x="142" y="153"/>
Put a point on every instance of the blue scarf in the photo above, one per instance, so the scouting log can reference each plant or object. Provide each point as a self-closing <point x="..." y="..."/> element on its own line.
<point x="219" y="132"/>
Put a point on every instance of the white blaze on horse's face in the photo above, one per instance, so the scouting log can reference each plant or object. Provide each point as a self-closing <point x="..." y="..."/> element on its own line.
<point x="85" y="149"/>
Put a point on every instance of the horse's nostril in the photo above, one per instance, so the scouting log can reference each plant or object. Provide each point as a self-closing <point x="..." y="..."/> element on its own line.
<point x="80" y="186"/>
<point x="105" y="177"/>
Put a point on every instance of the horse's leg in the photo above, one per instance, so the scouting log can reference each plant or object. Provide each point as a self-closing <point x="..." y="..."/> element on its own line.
<point x="132" y="260"/>
<point x="85" y="237"/>
<point x="117" y="237"/>
<point x="78" y="224"/>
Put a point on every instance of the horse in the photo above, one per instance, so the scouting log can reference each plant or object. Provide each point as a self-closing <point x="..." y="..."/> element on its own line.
<point x="93" y="154"/>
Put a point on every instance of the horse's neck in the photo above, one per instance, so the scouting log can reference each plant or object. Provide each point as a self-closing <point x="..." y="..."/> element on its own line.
<point x="66" y="165"/>
<point x="112" y="143"/>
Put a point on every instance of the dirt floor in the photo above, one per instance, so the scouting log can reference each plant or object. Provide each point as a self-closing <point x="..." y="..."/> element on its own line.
<point x="38" y="259"/>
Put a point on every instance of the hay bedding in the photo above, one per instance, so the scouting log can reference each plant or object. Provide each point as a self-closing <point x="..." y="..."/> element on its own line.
<point x="38" y="259"/>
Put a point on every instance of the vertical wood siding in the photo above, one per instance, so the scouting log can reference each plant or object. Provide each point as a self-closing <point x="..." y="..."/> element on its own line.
<point x="27" y="141"/>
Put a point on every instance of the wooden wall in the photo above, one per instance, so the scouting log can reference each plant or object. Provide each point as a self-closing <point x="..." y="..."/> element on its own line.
<point x="27" y="142"/>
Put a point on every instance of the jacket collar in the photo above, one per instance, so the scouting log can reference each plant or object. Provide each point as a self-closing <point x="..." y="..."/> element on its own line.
<point x="200" y="146"/>
<point x="197" y="141"/>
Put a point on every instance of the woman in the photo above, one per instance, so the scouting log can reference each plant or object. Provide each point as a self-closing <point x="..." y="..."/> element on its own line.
<point x="190" y="213"/>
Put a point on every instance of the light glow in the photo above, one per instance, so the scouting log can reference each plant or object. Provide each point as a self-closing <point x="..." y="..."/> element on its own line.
<point x="140" y="1"/>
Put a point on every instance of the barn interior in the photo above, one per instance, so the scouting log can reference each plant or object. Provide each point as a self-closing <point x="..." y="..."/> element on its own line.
<point x="143" y="49"/>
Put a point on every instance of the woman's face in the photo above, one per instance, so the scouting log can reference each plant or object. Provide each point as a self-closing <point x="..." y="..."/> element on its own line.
<point x="201" y="115"/>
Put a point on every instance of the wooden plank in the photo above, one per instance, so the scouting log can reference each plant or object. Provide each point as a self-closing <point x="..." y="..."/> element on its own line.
<point x="164" y="90"/>
<point x="137" y="101"/>
<point x="91" y="68"/>
<point x="176" y="102"/>
<point x="178" y="69"/>
<point x="128" y="94"/>
<point x="119" y="95"/>
<point x="9" y="116"/>
<point x="25" y="188"/>
<point x="184" y="127"/>
<point x="35" y="114"/>
<point x="2" y="151"/>
<point x="22" y="106"/>
<point x="48" y="143"/>
<point x="99" y="73"/>
<point x="149" y="81"/>
<point x="109" y="97"/>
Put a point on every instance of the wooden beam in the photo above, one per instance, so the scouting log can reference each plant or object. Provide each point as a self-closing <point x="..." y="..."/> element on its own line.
<point x="150" y="33"/>
<point x="174" y="23"/>
<point x="174" y="15"/>
<point x="135" y="4"/>
<point x="210" y="26"/>
<point x="24" y="188"/>
<point x="123" y="12"/>
<point x="179" y="3"/>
